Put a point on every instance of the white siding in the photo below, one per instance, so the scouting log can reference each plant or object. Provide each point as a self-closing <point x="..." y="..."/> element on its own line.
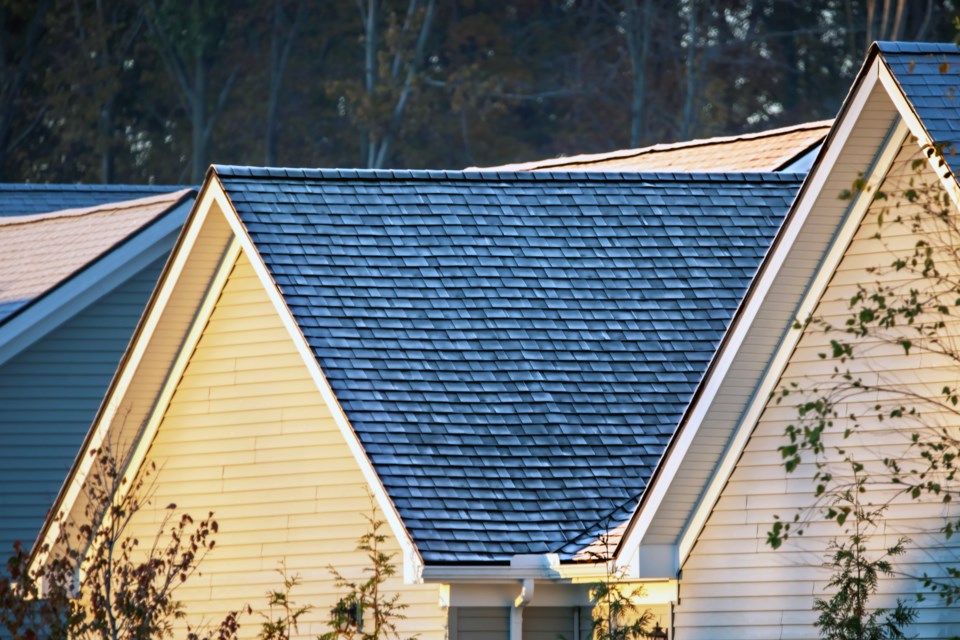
<point x="247" y="436"/>
<point x="733" y="585"/>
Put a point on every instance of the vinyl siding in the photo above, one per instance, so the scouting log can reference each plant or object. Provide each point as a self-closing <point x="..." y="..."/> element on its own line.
<point x="247" y="435"/>
<point x="49" y="395"/>
<point x="733" y="585"/>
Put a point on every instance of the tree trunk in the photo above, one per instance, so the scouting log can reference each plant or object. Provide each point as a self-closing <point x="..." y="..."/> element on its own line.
<point x="638" y="43"/>
<point x="108" y="151"/>
<point x="691" y="72"/>
<point x="198" y="120"/>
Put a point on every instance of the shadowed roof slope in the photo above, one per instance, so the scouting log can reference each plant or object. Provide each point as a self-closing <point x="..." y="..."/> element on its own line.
<point x="770" y="150"/>
<point x="39" y="251"/>
<point x="24" y="199"/>
<point x="929" y="76"/>
<point x="513" y="350"/>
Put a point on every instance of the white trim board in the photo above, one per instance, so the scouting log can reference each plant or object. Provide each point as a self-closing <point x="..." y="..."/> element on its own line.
<point x="778" y="363"/>
<point x="121" y="382"/>
<point x="89" y="284"/>
<point x="687" y="434"/>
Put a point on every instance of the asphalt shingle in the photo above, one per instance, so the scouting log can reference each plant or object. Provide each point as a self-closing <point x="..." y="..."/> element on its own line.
<point x="513" y="351"/>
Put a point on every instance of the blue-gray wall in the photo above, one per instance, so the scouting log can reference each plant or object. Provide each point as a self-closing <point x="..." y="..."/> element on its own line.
<point x="49" y="395"/>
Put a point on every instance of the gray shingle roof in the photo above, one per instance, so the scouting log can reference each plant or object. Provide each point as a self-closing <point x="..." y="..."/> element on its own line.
<point x="929" y="75"/>
<point x="513" y="350"/>
<point x="26" y="199"/>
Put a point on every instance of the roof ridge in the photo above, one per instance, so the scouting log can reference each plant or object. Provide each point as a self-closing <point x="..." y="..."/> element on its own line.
<point x="889" y="46"/>
<point x="46" y="186"/>
<point x="292" y="173"/>
<point x="122" y="205"/>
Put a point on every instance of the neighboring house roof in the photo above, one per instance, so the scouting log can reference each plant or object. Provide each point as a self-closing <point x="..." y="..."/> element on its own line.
<point x="73" y="285"/>
<point x="39" y="251"/>
<point x="771" y="150"/>
<point x="25" y="199"/>
<point x="900" y="84"/>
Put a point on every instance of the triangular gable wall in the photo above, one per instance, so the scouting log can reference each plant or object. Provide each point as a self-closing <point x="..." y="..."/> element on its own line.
<point x="733" y="584"/>
<point x="247" y="435"/>
<point x="160" y="350"/>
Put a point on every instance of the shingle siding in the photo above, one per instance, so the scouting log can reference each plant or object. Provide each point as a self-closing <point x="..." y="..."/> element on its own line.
<point x="49" y="394"/>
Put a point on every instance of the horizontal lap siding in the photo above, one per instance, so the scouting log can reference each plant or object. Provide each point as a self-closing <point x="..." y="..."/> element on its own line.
<point x="49" y="395"/>
<point x="247" y="435"/>
<point x="734" y="585"/>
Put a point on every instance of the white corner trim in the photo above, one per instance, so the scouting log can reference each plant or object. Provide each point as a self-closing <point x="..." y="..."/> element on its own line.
<point x="855" y="214"/>
<point x="412" y="561"/>
<point x="99" y="430"/>
<point x="946" y="176"/>
<point x="738" y="332"/>
<point x="89" y="284"/>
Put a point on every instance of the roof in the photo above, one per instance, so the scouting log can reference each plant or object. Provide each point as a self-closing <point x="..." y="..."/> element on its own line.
<point x="25" y="199"/>
<point x="39" y="251"/>
<point x="929" y="76"/>
<point x="771" y="150"/>
<point x="512" y="350"/>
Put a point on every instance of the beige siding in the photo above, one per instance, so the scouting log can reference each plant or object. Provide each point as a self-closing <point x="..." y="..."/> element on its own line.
<point x="733" y="585"/>
<point x="247" y="436"/>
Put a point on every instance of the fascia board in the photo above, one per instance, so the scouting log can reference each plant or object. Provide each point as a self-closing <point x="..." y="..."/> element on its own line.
<point x="90" y="283"/>
<point x="412" y="561"/>
<point x="685" y="436"/>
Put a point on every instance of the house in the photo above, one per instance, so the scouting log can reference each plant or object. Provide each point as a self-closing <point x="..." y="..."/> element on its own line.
<point x="73" y="285"/>
<point x="499" y="359"/>
<point x="19" y="199"/>
<point x="785" y="149"/>
<point x="707" y="510"/>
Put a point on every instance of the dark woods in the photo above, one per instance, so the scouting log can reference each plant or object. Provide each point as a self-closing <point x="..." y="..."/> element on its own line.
<point x="155" y="90"/>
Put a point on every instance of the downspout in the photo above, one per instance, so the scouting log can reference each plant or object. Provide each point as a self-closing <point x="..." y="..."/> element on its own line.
<point x="516" y="612"/>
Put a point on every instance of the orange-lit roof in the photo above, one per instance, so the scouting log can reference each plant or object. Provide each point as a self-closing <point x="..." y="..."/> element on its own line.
<point x="38" y="251"/>
<point x="762" y="151"/>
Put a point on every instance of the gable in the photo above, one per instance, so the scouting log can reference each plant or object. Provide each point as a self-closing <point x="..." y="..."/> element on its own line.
<point x="734" y="584"/>
<point x="246" y="434"/>
<point x="863" y="142"/>
<point x="49" y="395"/>
<point x="512" y="352"/>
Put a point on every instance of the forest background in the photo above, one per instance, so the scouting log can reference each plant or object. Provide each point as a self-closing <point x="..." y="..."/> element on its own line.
<point x="152" y="91"/>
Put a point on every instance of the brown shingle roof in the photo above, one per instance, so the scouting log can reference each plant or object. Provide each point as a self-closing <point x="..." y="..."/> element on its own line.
<point x="762" y="151"/>
<point x="39" y="251"/>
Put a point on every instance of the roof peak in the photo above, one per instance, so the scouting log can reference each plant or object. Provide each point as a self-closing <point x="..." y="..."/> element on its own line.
<point x="292" y="173"/>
